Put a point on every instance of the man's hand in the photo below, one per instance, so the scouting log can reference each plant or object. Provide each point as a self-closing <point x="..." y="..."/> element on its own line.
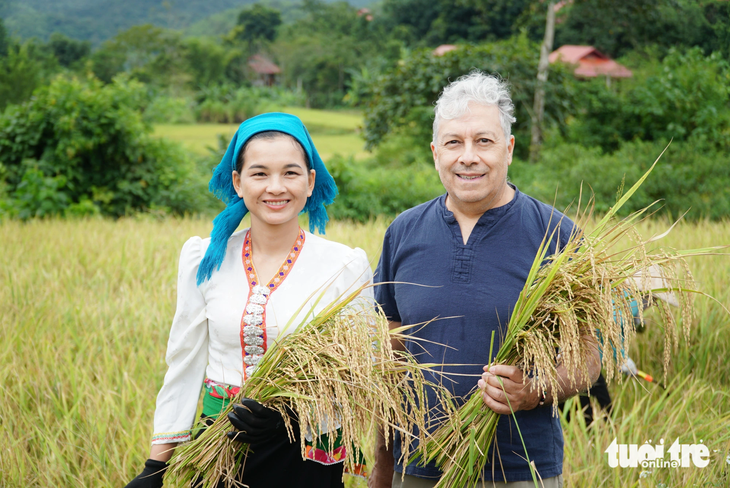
<point x="504" y="390"/>
<point x="381" y="474"/>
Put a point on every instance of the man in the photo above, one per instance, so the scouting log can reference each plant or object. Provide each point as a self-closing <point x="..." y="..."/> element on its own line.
<point x="473" y="248"/>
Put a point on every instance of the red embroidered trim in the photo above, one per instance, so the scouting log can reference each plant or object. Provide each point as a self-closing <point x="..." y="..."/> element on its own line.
<point x="172" y="436"/>
<point x="276" y="281"/>
<point x="323" y="457"/>
<point x="218" y="390"/>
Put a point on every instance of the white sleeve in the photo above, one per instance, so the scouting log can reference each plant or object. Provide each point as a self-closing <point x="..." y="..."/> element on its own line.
<point x="358" y="273"/>
<point x="187" y="353"/>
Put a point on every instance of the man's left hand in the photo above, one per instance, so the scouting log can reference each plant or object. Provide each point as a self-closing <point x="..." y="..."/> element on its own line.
<point x="504" y="390"/>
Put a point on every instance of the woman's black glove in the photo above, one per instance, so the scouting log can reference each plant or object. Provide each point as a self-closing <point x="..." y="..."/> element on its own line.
<point x="151" y="475"/>
<point x="255" y="422"/>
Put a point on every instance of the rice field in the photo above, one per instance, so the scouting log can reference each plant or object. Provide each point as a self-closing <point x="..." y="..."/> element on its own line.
<point x="332" y="132"/>
<point x="86" y="308"/>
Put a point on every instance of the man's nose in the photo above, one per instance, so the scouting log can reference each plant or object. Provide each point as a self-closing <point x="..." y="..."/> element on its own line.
<point x="469" y="154"/>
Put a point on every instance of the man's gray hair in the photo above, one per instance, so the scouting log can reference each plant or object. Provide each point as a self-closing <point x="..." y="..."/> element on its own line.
<point x="479" y="88"/>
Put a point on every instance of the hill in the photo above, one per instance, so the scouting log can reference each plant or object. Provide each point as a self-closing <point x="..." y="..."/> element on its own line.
<point x="98" y="20"/>
<point x="223" y="21"/>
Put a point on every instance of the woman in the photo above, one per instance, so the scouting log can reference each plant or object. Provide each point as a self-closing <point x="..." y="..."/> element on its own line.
<point x="237" y="290"/>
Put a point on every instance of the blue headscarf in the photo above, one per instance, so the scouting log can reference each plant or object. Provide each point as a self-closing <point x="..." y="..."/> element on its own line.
<point x="221" y="185"/>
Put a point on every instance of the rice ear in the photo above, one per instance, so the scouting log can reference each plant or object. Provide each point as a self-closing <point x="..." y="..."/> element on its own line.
<point x="337" y="365"/>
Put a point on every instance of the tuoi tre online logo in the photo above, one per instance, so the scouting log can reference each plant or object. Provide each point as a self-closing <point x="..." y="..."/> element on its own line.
<point x="654" y="456"/>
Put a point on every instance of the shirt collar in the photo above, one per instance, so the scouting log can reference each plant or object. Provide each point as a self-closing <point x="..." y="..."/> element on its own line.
<point x="489" y="216"/>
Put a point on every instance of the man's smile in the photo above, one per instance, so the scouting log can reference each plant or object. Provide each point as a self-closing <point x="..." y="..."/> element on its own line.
<point x="469" y="176"/>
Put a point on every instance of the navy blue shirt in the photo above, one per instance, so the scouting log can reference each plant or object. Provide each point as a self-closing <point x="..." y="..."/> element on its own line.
<point x="472" y="288"/>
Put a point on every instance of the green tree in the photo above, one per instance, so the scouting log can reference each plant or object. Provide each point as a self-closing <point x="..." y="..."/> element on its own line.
<point x="4" y="40"/>
<point x="100" y="20"/>
<point x="107" y="63"/>
<point x="207" y="61"/>
<point x="618" y="26"/>
<point x="400" y="13"/>
<point x="716" y="33"/>
<point x="84" y="145"/>
<point x="612" y="26"/>
<point x="256" y="23"/>
<point x="503" y="18"/>
<point x="68" y="51"/>
<point x="148" y="53"/>
<point x="691" y="175"/>
<point x="447" y="21"/>
<point x="402" y="99"/>
<point x="24" y="67"/>
<point x="684" y="96"/>
<point x="319" y="51"/>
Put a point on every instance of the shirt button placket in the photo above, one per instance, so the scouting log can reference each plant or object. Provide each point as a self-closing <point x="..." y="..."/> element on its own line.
<point x="253" y="330"/>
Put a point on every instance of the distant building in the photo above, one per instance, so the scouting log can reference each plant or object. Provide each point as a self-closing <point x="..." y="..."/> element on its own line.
<point x="590" y="62"/>
<point x="443" y="49"/>
<point x="264" y="69"/>
<point x="365" y="12"/>
<point x="562" y="4"/>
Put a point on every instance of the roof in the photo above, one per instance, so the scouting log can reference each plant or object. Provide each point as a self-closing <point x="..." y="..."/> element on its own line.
<point x="443" y="49"/>
<point x="263" y="66"/>
<point x="366" y="12"/>
<point x="591" y="62"/>
<point x="561" y="4"/>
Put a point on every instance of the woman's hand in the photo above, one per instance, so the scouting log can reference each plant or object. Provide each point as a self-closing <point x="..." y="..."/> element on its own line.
<point x="256" y="423"/>
<point x="151" y="475"/>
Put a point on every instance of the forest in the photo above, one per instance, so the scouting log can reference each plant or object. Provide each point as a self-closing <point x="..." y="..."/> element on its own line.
<point x="83" y="95"/>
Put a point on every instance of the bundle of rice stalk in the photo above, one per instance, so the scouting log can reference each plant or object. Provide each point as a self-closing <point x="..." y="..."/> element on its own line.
<point x="580" y="296"/>
<point x="335" y="369"/>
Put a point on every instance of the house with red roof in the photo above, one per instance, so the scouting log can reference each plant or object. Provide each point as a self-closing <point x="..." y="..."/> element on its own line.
<point x="264" y="68"/>
<point x="443" y="49"/>
<point x="590" y="62"/>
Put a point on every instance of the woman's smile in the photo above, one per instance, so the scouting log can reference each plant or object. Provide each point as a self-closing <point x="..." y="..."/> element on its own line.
<point x="276" y="204"/>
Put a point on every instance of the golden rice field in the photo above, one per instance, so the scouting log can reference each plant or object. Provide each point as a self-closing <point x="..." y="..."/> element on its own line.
<point x="86" y="306"/>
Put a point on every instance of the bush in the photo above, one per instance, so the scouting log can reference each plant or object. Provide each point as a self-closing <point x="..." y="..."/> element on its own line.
<point x="318" y="50"/>
<point x="168" y="109"/>
<point x="367" y="190"/>
<point x="38" y="195"/>
<point x="403" y="98"/>
<point x="82" y="147"/>
<point x="686" y="95"/>
<point x="23" y="68"/>
<point x="692" y="175"/>
<point x="228" y="104"/>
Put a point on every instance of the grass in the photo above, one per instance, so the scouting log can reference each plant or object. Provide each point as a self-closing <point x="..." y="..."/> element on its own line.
<point x="332" y="132"/>
<point x="86" y="309"/>
<point x="326" y="118"/>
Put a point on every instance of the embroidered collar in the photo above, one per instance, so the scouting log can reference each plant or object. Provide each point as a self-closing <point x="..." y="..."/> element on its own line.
<point x="253" y="322"/>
